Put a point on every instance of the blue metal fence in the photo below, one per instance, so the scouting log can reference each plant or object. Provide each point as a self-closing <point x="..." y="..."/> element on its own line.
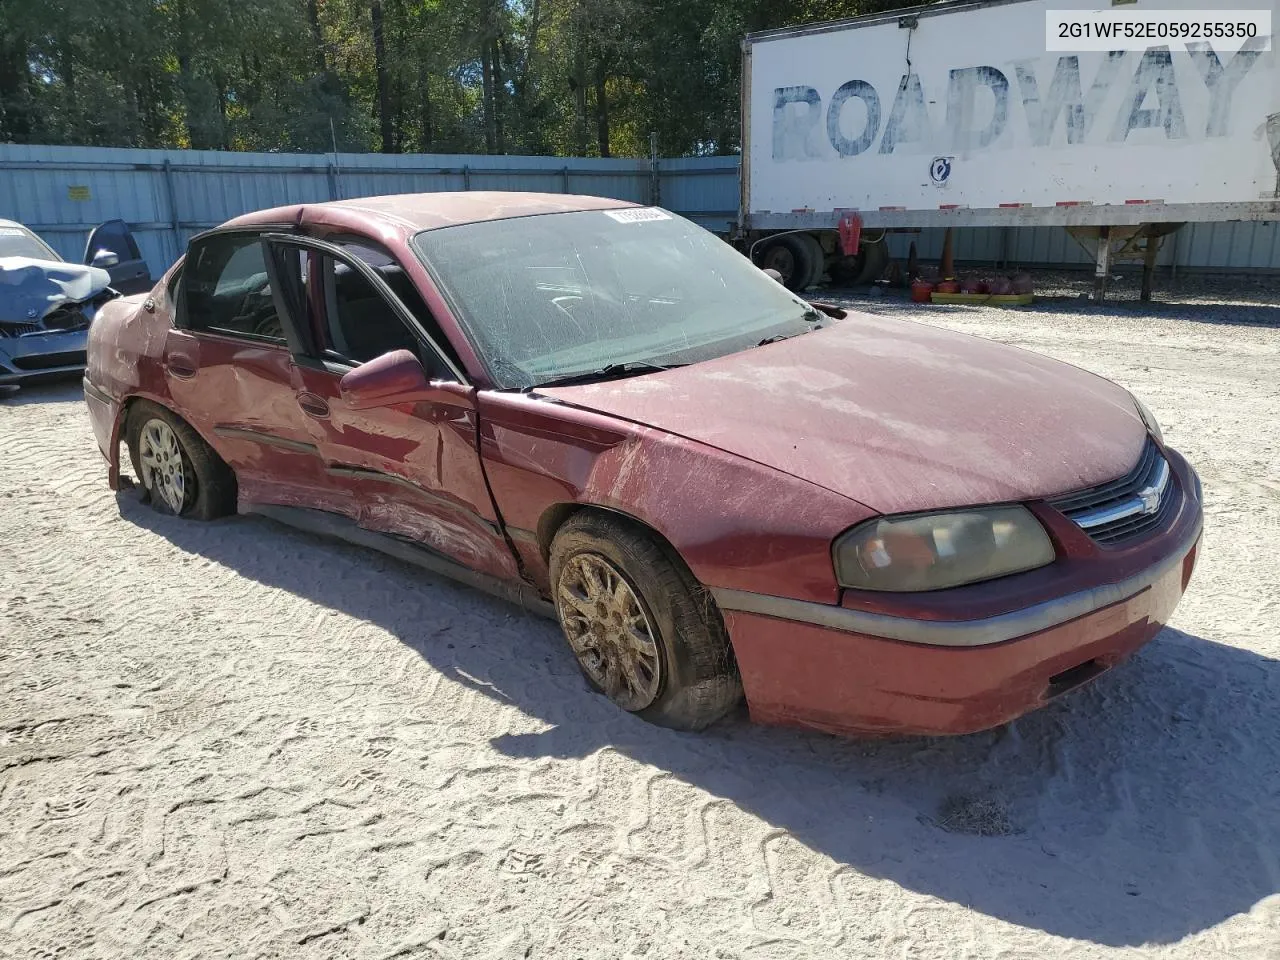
<point x="168" y="195"/>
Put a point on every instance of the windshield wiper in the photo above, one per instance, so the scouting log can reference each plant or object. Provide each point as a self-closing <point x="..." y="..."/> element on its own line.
<point x="611" y="372"/>
<point x="787" y="336"/>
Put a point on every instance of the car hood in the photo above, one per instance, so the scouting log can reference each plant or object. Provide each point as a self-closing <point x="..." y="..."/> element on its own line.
<point x="899" y="416"/>
<point x="30" y="289"/>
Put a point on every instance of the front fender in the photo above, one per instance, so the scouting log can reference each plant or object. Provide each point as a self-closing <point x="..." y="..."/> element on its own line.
<point x="736" y="523"/>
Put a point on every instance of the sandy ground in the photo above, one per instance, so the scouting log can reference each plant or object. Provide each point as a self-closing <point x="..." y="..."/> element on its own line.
<point x="233" y="740"/>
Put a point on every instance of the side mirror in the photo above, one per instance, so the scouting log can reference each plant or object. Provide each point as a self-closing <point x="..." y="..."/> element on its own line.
<point x="105" y="259"/>
<point x="398" y="377"/>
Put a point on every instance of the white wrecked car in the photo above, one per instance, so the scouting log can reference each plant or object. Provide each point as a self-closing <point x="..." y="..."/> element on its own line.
<point x="47" y="304"/>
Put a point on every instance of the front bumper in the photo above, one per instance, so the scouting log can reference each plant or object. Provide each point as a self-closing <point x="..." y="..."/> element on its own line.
<point x="851" y="672"/>
<point x="41" y="356"/>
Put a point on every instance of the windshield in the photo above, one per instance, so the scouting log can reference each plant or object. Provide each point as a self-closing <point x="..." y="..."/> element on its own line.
<point x="551" y="296"/>
<point x="20" y="242"/>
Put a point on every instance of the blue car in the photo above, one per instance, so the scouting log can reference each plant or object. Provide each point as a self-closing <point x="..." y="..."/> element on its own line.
<point x="47" y="304"/>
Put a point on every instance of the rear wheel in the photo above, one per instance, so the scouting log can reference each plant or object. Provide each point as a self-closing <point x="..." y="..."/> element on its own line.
<point x="179" y="473"/>
<point x="645" y="633"/>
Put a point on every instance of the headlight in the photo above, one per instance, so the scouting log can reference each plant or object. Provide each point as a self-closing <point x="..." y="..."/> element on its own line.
<point x="1148" y="418"/>
<point x="936" y="550"/>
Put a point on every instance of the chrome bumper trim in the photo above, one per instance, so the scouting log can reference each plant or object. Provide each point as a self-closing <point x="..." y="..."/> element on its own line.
<point x="958" y="633"/>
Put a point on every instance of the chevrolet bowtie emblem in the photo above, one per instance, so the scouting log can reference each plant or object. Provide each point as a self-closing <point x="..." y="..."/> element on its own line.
<point x="1150" y="498"/>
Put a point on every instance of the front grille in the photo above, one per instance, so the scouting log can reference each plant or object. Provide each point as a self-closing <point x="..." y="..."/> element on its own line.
<point x="19" y="329"/>
<point x="67" y="317"/>
<point x="1122" y="510"/>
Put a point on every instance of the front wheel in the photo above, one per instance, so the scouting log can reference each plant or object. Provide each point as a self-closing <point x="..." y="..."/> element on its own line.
<point x="645" y="633"/>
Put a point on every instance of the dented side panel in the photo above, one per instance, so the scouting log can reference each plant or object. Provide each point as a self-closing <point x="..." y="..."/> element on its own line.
<point x="411" y="470"/>
<point x="735" y="523"/>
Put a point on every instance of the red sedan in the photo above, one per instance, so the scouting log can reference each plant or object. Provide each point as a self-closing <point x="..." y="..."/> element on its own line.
<point x="600" y="410"/>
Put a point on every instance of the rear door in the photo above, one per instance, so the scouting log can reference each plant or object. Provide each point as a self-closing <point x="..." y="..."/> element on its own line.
<point x="112" y="247"/>
<point x="412" y="469"/>
<point x="229" y="368"/>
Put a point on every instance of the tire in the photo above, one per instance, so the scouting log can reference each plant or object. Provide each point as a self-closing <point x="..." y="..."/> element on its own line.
<point x="817" y="259"/>
<point x="863" y="268"/>
<point x="846" y="270"/>
<point x="791" y="256"/>
<point x="207" y="487"/>
<point x="694" y="680"/>
<point x="876" y="260"/>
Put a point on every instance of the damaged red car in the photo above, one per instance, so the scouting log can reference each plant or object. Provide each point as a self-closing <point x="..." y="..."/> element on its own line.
<point x="602" y="411"/>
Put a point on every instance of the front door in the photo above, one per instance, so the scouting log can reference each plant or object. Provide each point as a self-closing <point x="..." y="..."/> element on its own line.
<point x="412" y="469"/>
<point x="111" y="246"/>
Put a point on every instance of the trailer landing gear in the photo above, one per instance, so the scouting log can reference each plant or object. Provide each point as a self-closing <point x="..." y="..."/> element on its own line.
<point x="1106" y="245"/>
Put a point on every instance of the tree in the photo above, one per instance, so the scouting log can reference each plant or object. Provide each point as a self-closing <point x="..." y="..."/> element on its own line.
<point x="383" y="82"/>
<point x="499" y="76"/>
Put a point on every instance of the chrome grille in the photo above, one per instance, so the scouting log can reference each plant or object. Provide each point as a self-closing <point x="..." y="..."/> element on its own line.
<point x="1125" y="509"/>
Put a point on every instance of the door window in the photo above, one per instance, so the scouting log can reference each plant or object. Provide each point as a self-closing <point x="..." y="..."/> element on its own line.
<point x="225" y="289"/>
<point x="115" y="236"/>
<point x="362" y="324"/>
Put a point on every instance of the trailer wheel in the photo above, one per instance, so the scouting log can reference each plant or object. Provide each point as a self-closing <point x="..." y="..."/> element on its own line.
<point x="791" y="256"/>
<point x="864" y="267"/>
<point x="817" y="259"/>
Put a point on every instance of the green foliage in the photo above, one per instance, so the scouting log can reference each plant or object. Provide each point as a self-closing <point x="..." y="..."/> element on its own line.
<point x="565" y="77"/>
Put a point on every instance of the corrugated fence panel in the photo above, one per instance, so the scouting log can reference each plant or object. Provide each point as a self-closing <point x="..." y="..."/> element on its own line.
<point x="65" y="191"/>
<point x="992" y="245"/>
<point x="169" y="195"/>
<point x="704" y="189"/>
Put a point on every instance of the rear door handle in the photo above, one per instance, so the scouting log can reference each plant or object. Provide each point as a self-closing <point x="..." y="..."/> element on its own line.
<point x="312" y="405"/>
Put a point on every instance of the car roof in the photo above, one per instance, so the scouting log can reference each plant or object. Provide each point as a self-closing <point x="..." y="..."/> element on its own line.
<point x="411" y="212"/>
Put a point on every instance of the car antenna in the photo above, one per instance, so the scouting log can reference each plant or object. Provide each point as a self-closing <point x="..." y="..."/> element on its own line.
<point x="333" y="139"/>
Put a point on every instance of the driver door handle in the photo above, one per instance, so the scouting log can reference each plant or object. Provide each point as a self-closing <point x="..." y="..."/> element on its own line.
<point x="313" y="405"/>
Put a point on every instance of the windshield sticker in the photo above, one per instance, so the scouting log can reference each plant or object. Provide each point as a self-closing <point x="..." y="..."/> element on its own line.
<point x="638" y="215"/>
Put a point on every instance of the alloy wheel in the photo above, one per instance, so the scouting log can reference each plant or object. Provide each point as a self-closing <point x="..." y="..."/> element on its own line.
<point x="609" y="631"/>
<point x="163" y="472"/>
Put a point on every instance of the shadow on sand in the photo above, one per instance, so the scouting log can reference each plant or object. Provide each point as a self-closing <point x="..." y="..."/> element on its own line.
<point x="1140" y="810"/>
<point x="56" y="390"/>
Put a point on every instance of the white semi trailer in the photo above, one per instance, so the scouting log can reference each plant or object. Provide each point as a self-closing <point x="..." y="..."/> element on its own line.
<point x="963" y="114"/>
